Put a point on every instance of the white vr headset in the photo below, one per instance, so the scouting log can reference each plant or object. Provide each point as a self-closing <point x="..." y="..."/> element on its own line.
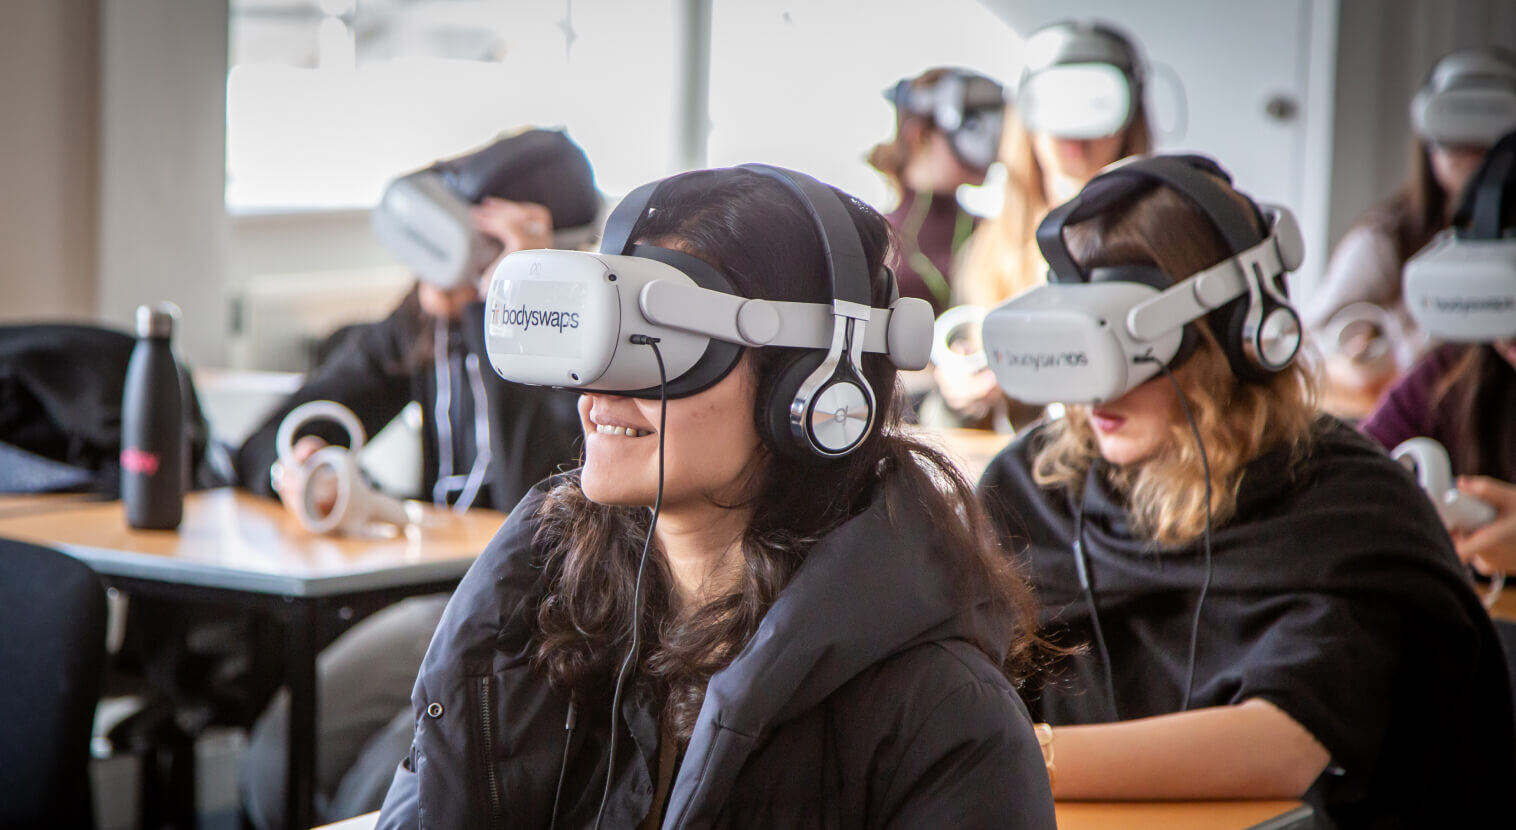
<point x="430" y="229"/>
<point x="1468" y="100"/>
<point x="1462" y="286"/>
<point x="1090" y="336"/>
<point x="577" y="320"/>
<point x="1083" y="80"/>
<point x="563" y="318"/>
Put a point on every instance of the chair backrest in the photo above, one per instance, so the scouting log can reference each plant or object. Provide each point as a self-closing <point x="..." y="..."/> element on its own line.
<point x="52" y="652"/>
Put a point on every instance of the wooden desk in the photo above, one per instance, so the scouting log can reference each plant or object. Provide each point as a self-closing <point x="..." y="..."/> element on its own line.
<point x="1125" y="815"/>
<point x="1183" y="815"/>
<point x="239" y="550"/>
<point x="1504" y="607"/>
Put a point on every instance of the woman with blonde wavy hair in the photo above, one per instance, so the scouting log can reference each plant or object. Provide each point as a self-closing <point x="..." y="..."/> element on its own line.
<point x="1054" y="143"/>
<point x="1282" y="641"/>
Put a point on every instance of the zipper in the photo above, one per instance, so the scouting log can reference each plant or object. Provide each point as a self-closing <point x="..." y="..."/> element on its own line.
<point x="497" y="816"/>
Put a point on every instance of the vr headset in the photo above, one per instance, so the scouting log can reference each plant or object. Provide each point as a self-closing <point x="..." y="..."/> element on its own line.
<point x="577" y="320"/>
<point x="968" y="107"/>
<point x="1082" y="80"/>
<point x="1468" y="100"/>
<point x="1462" y="286"/>
<point x="425" y="218"/>
<point x="1092" y="335"/>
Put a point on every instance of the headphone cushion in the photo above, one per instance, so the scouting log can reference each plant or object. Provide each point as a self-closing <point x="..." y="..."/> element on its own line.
<point x="773" y="403"/>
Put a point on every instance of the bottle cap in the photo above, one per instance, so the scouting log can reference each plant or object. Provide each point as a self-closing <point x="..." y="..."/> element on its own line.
<point x="156" y="320"/>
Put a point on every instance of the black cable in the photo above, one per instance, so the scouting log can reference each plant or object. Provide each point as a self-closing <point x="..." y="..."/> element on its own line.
<point x="1205" y="465"/>
<point x="568" y="738"/>
<point x="631" y="655"/>
<point x="1082" y="567"/>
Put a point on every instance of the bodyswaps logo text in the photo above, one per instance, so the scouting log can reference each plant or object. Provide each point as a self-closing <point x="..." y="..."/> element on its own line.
<point x="1470" y="305"/>
<point x="527" y="319"/>
<point x="1037" y="361"/>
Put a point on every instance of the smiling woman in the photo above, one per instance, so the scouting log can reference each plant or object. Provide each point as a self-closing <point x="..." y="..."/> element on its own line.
<point x="821" y="634"/>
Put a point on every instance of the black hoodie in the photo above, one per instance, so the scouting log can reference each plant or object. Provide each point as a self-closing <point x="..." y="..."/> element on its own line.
<point x="858" y="702"/>
<point x="1336" y="596"/>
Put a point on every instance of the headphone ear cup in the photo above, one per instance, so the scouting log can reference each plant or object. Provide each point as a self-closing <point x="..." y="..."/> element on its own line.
<point x="774" y="406"/>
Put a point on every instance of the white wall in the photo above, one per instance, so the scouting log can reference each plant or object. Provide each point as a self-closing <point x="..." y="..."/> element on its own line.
<point x="48" y="99"/>
<point x="163" y="171"/>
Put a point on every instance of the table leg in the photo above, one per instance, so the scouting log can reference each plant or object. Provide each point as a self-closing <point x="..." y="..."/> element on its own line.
<point x="300" y="677"/>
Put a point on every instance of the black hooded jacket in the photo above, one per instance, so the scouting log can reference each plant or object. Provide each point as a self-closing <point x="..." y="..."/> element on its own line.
<point x="1336" y="596"/>
<point x="858" y="703"/>
<point x="382" y="366"/>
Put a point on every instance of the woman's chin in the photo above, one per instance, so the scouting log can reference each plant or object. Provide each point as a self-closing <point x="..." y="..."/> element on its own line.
<point x="604" y="487"/>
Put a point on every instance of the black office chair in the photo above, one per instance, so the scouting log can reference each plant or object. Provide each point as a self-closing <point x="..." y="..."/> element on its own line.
<point x="52" y="653"/>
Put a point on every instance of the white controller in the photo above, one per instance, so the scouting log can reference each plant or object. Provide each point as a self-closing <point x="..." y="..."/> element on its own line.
<point x="331" y="474"/>
<point x="956" y="342"/>
<point x="1429" y="461"/>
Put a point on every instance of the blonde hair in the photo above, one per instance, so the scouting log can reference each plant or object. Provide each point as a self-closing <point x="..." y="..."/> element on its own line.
<point x="1001" y="259"/>
<point x="1237" y="420"/>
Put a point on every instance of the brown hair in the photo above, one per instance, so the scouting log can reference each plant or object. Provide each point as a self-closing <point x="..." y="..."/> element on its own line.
<point x="1475" y="404"/>
<point x="1415" y="212"/>
<point x="1001" y="259"/>
<point x="751" y="228"/>
<point x="1237" y="420"/>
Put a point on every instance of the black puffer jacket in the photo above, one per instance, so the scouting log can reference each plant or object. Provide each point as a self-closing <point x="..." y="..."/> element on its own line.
<point x="858" y="703"/>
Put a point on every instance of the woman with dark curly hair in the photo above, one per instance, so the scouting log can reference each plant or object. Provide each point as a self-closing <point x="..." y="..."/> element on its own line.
<point x="824" y="641"/>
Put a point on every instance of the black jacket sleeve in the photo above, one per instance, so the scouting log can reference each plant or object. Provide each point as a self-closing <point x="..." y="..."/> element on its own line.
<point x="369" y="373"/>
<point x="969" y="766"/>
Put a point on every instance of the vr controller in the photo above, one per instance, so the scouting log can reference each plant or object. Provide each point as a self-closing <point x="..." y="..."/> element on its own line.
<point x="957" y="339"/>
<point x="331" y="474"/>
<point x="1429" y="462"/>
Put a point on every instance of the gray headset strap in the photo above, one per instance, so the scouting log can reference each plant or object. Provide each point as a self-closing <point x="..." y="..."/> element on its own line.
<point x="848" y="269"/>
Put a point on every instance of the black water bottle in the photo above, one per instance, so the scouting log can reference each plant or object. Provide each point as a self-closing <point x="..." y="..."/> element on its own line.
<point x="153" y="436"/>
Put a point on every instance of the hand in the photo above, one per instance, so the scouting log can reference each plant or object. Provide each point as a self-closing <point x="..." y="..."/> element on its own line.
<point x="1491" y="548"/>
<point x="517" y="226"/>
<point x="970" y="394"/>
<point x="288" y="485"/>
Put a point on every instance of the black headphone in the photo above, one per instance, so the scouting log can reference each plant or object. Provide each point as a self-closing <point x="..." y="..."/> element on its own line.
<point x="820" y="404"/>
<point x="1259" y="333"/>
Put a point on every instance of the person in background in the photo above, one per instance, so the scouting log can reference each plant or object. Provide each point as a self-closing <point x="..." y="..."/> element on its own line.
<point x="1463" y="394"/>
<point x="1357" y="316"/>
<point x="1078" y="108"/>
<point x="806" y="661"/>
<point x="947" y="130"/>
<point x="485" y="442"/>
<point x="1277" y="616"/>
